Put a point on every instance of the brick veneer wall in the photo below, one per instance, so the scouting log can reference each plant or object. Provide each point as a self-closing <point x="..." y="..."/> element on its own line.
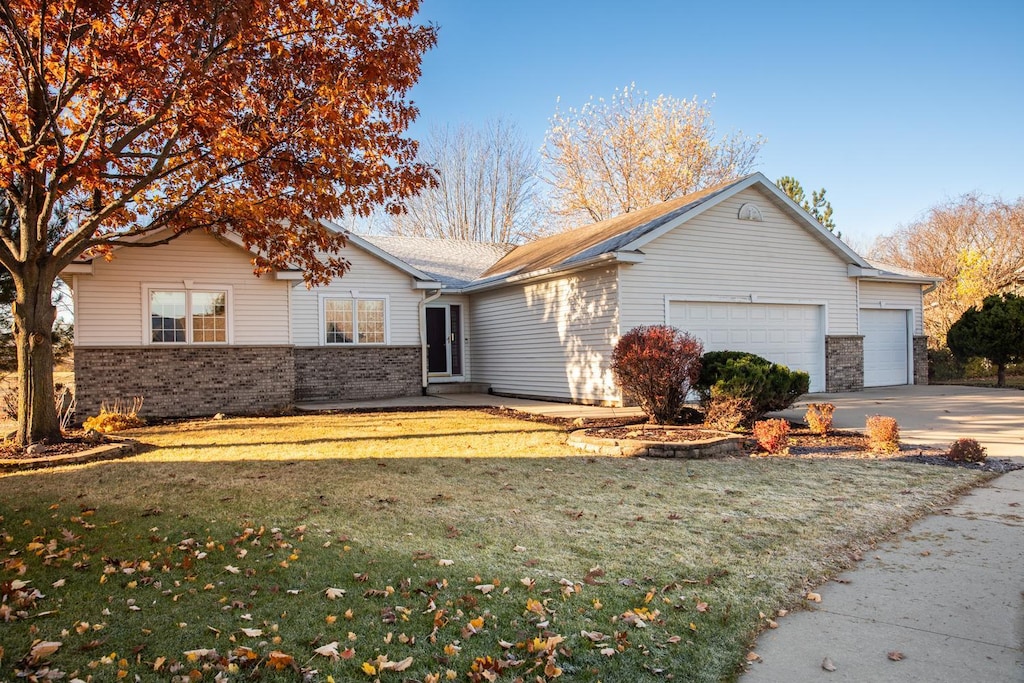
<point x="844" y="363"/>
<point x="185" y="381"/>
<point x="324" y="373"/>
<point x="920" y="360"/>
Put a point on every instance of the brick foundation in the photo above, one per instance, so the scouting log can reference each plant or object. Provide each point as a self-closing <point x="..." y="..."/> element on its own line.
<point x="324" y="373"/>
<point x="920" y="360"/>
<point x="194" y="381"/>
<point x="844" y="363"/>
<point x="185" y="381"/>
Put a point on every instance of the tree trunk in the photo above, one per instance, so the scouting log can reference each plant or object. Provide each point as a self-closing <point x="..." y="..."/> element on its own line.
<point x="1000" y="375"/>
<point x="34" y="314"/>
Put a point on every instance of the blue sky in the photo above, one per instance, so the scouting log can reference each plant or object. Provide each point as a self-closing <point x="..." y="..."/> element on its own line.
<point x="891" y="106"/>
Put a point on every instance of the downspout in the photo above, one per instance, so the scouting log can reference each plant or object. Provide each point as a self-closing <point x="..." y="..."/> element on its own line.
<point x="423" y="338"/>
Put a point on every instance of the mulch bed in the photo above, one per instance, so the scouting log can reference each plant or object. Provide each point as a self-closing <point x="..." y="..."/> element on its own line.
<point x="73" y="443"/>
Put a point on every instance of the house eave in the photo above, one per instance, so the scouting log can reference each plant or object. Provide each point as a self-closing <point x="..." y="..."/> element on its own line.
<point x="628" y="257"/>
<point x="78" y="268"/>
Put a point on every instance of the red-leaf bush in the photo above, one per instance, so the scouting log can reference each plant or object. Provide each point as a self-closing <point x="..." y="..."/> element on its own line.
<point x="883" y="434"/>
<point x="967" y="450"/>
<point x="656" y="365"/>
<point x="819" y="417"/>
<point x="772" y="435"/>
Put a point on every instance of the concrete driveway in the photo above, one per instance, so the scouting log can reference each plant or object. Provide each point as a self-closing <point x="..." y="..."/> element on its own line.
<point x="934" y="415"/>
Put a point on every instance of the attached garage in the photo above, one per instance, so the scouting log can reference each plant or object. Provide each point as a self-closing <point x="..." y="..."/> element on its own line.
<point x="887" y="347"/>
<point x="789" y="334"/>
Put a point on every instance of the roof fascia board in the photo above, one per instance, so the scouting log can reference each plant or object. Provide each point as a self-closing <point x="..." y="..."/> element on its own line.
<point x="78" y="268"/>
<point x="620" y="256"/>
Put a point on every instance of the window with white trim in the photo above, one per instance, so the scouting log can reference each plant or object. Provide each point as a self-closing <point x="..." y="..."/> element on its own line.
<point x="188" y="316"/>
<point x="355" y="321"/>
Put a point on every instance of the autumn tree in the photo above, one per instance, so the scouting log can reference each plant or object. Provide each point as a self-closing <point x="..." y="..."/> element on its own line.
<point x="486" y="187"/>
<point x="612" y="157"/>
<point x="140" y="120"/>
<point x="994" y="331"/>
<point x="817" y="205"/>
<point x="976" y="244"/>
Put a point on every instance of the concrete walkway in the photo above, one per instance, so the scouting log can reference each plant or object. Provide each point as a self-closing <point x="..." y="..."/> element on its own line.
<point x="949" y="596"/>
<point x="548" y="408"/>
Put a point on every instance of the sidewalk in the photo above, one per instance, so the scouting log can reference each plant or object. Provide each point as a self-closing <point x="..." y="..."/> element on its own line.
<point x="949" y="596"/>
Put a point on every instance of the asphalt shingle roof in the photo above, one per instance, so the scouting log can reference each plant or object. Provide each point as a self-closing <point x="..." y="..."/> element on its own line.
<point x="454" y="263"/>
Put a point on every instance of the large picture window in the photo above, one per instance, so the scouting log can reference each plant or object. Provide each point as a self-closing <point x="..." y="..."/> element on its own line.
<point x="355" y="321"/>
<point x="188" y="316"/>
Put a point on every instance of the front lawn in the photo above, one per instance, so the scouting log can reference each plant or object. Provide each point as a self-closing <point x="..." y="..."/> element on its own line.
<point x="422" y="546"/>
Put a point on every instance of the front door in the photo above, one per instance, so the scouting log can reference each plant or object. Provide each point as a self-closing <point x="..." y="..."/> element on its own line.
<point x="444" y="340"/>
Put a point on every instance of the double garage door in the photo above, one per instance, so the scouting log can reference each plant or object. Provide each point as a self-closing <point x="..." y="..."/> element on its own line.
<point x="789" y="334"/>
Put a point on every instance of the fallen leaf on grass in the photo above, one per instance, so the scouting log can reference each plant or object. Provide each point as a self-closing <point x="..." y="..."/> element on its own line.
<point x="253" y="632"/>
<point x="827" y="664"/>
<point x="445" y="563"/>
<point x="334" y="593"/>
<point x="280" y="661"/>
<point x="753" y="657"/>
<point x="895" y="655"/>
<point x="44" y="648"/>
<point x="329" y="650"/>
<point x="813" y="597"/>
<point x="485" y="588"/>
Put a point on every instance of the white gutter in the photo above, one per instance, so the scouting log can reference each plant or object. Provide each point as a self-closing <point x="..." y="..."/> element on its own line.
<point x="424" y="379"/>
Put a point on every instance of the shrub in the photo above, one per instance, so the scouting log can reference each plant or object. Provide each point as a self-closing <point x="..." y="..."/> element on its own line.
<point x="819" y="417"/>
<point x="726" y="413"/>
<point x="116" y="418"/>
<point x="943" y="366"/>
<point x="657" y="365"/>
<point x="967" y="450"/>
<point x="734" y="374"/>
<point x="772" y="435"/>
<point x="883" y="434"/>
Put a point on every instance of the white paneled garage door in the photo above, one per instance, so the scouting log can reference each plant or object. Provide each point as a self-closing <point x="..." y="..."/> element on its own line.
<point x="886" y="347"/>
<point x="790" y="334"/>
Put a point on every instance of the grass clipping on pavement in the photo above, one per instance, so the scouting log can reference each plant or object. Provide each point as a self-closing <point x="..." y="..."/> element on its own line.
<point x="427" y="546"/>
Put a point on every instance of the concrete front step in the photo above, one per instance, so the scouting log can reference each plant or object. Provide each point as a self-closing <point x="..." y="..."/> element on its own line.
<point x="440" y="388"/>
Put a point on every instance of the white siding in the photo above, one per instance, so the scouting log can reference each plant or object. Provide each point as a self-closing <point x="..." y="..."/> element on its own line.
<point x="893" y="295"/>
<point x="109" y="306"/>
<point x="368" y="277"/>
<point x="717" y="257"/>
<point x="550" y="339"/>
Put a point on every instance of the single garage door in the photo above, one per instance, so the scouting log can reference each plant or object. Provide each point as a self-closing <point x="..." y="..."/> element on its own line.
<point x="886" y="347"/>
<point x="788" y="334"/>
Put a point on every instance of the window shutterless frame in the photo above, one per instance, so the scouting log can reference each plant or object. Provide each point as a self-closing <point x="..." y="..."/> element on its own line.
<point x="362" y="320"/>
<point x="187" y="315"/>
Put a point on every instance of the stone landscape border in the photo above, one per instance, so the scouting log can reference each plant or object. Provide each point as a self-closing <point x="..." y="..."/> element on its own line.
<point x="121" y="448"/>
<point x="726" y="444"/>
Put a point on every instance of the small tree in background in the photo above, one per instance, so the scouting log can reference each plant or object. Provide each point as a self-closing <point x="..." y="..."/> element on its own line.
<point x="817" y="206"/>
<point x="656" y="365"/>
<point x="994" y="332"/>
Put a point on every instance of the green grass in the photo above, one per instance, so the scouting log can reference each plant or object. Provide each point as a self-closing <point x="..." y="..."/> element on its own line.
<point x="245" y="523"/>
